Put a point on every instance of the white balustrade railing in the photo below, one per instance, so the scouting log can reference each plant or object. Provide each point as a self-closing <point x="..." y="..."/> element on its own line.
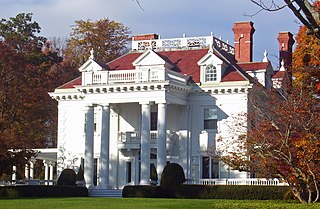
<point x="184" y="42"/>
<point x="250" y="181"/>
<point x="28" y="182"/>
<point x="131" y="76"/>
<point x="135" y="136"/>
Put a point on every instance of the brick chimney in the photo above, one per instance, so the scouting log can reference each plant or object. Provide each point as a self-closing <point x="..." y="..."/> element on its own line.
<point x="286" y="42"/>
<point x="243" y="41"/>
<point x="151" y="36"/>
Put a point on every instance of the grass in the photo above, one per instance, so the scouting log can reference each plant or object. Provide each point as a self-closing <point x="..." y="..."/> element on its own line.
<point x="146" y="203"/>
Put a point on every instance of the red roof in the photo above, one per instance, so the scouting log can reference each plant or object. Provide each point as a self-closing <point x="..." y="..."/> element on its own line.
<point x="250" y="66"/>
<point x="279" y="74"/>
<point x="71" y="84"/>
<point x="185" y="62"/>
<point x="232" y="75"/>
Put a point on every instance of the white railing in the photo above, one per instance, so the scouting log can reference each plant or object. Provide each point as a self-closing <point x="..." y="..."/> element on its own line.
<point x="132" y="76"/>
<point x="27" y="182"/>
<point x="251" y="181"/>
<point x="135" y="136"/>
<point x="184" y="42"/>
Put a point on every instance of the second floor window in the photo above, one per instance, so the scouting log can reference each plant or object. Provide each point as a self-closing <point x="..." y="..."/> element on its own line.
<point x="210" y="118"/>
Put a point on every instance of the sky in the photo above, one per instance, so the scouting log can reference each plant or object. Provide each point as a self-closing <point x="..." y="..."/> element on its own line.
<point x="168" y="18"/>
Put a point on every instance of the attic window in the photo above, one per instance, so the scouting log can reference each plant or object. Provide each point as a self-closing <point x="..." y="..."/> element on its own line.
<point x="210" y="73"/>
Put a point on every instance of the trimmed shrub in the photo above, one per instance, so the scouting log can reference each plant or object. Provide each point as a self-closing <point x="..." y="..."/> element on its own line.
<point x="236" y="192"/>
<point x="143" y="191"/>
<point x="172" y="176"/>
<point x="67" y="177"/>
<point x="44" y="191"/>
<point x="8" y="193"/>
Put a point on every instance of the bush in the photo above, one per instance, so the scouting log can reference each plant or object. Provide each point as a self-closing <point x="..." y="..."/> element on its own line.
<point x="236" y="192"/>
<point x="143" y="191"/>
<point x="172" y="176"/>
<point x="43" y="191"/>
<point x="8" y="193"/>
<point x="67" y="177"/>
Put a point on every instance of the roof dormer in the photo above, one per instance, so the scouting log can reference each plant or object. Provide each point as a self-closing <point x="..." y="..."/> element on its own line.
<point x="211" y="67"/>
<point x="91" y="70"/>
<point x="152" y="60"/>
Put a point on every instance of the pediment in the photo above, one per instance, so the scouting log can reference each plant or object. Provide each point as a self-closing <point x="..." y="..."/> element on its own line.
<point x="91" y="65"/>
<point x="150" y="58"/>
<point x="210" y="58"/>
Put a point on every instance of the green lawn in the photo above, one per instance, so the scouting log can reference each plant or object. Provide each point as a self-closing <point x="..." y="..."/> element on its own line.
<point x="143" y="203"/>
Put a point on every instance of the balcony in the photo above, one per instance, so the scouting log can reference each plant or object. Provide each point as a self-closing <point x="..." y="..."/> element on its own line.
<point x="132" y="140"/>
<point x="133" y="137"/>
<point x="131" y="76"/>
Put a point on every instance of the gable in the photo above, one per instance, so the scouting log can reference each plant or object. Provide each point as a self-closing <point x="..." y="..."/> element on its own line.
<point x="210" y="58"/>
<point x="92" y="65"/>
<point x="149" y="58"/>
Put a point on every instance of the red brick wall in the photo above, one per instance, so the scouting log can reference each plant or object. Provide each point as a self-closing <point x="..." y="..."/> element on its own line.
<point x="243" y="41"/>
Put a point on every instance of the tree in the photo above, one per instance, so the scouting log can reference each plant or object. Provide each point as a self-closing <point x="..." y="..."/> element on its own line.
<point x="306" y="61"/>
<point x="107" y="37"/>
<point x="307" y="12"/>
<point x="28" y="116"/>
<point x="282" y="141"/>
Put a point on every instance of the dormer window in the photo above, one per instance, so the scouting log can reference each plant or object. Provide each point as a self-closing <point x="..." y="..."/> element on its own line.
<point x="210" y="73"/>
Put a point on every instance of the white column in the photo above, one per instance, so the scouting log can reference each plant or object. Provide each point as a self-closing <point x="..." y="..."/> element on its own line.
<point x="14" y="173"/>
<point x="210" y="167"/>
<point x="162" y="139"/>
<point x="88" y="152"/>
<point x="136" y="168"/>
<point x="31" y="163"/>
<point x="104" y="151"/>
<point x="51" y="173"/>
<point x="46" y="171"/>
<point x="26" y="171"/>
<point x="145" y="144"/>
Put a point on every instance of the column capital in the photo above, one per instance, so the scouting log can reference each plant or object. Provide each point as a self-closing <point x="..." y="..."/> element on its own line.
<point x="88" y="107"/>
<point x="146" y="103"/>
<point x="104" y="104"/>
<point x="161" y="102"/>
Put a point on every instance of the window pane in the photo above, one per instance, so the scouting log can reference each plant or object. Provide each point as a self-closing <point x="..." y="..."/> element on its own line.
<point x="210" y="73"/>
<point x="210" y="118"/>
<point x="210" y="113"/>
<point x="205" y="167"/>
<point x="210" y="124"/>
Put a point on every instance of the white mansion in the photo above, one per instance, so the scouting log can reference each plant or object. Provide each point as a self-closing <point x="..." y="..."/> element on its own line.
<point x="166" y="100"/>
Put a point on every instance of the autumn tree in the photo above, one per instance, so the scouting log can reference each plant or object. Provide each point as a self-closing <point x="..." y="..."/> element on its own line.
<point x="281" y="140"/>
<point x="27" y="113"/>
<point x="305" y="10"/>
<point x="108" y="38"/>
<point x="306" y="61"/>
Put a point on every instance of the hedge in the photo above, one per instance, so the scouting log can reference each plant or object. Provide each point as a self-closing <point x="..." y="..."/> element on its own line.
<point x="42" y="191"/>
<point x="239" y="192"/>
<point x="144" y="191"/>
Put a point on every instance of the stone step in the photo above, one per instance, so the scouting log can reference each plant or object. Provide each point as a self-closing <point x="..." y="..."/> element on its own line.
<point x="105" y="192"/>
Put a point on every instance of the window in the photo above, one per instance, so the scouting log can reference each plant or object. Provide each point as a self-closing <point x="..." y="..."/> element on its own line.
<point x="210" y="167"/>
<point x="129" y="168"/>
<point x="154" y="121"/>
<point x="210" y="73"/>
<point x="210" y="118"/>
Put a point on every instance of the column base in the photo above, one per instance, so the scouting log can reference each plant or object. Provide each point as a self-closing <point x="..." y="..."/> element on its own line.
<point x="103" y="187"/>
<point x="143" y="182"/>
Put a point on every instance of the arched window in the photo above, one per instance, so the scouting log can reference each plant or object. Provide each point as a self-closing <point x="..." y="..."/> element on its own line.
<point x="210" y="73"/>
